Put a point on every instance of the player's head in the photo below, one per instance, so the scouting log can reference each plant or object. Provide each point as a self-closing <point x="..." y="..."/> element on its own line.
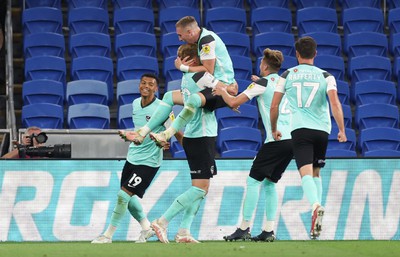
<point x="271" y="61"/>
<point x="187" y="29"/>
<point x="306" y="48"/>
<point x="148" y="85"/>
<point x="189" y="50"/>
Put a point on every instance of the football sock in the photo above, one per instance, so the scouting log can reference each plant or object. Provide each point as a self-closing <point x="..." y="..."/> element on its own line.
<point x="118" y="213"/>
<point x="251" y="198"/>
<point x="318" y="184"/>
<point x="136" y="209"/>
<point x="271" y="200"/>
<point x="309" y="189"/>
<point x="269" y="225"/>
<point x="185" y="116"/>
<point x="189" y="214"/>
<point x="183" y="201"/>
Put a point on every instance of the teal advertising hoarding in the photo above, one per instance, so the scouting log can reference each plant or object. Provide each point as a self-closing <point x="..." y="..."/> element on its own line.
<point x="72" y="200"/>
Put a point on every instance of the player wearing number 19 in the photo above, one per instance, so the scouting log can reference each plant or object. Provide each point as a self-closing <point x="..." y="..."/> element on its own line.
<point x="306" y="88"/>
<point x="141" y="166"/>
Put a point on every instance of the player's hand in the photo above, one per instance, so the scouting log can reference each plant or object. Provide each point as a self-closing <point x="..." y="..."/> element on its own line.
<point x="166" y="146"/>
<point x="219" y="90"/>
<point x="342" y="137"/>
<point x="122" y="135"/>
<point x="254" y="78"/>
<point x="277" y="135"/>
<point x="185" y="61"/>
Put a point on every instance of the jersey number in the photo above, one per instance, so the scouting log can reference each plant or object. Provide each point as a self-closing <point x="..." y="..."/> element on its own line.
<point x="135" y="180"/>
<point x="310" y="98"/>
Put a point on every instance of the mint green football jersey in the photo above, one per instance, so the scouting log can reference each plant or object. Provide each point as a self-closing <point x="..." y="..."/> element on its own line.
<point x="147" y="153"/>
<point x="204" y="122"/>
<point x="306" y="87"/>
<point x="264" y="89"/>
<point x="210" y="46"/>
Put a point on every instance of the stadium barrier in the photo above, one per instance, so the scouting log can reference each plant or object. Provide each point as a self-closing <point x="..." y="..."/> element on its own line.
<point x="72" y="200"/>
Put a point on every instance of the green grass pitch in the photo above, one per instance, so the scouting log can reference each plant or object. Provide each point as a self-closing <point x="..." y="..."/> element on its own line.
<point x="205" y="249"/>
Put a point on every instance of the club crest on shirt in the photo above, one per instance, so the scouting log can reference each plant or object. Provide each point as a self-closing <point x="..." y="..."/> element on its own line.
<point x="295" y="70"/>
<point x="148" y="117"/>
<point x="206" y="49"/>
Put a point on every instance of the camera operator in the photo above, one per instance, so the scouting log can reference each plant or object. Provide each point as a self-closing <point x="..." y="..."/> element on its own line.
<point x="27" y="140"/>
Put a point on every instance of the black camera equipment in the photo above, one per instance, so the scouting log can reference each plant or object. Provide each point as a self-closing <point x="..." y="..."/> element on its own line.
<point x="56" y="151"/>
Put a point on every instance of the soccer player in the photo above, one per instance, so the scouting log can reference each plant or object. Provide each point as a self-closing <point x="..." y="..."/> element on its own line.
<point x="199" y="145"/>
<point x="214" y="59"/>
<point x="273" y="157"/>
<point x="306" y="88"/>
<point x="141" y="166"/>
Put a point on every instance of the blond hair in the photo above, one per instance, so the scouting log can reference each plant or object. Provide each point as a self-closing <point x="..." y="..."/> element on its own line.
<point x="273" y="58"/>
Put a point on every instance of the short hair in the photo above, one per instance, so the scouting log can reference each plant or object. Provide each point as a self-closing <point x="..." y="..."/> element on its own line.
<point x="273" y="58"/>
<point x="186" y="21"/>
<point x="306" y="47"/>
<point x="32" y="128"/>
<point x="150" y="75"/>
<point x="187" y="50"/>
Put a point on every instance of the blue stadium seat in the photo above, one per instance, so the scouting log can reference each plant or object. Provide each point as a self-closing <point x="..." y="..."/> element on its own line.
<point x="87" y="91"/>
<point x="242" y="66"/>
<point x="176" y="149"/>
<point x="237" y="43"/>
<point x="207" y="4"/>
<point x="42" y="19"/>
<point x="135" y="43"/>
<point x="133" y="19"/>
<point x="173" y="85"/>
<point x="226" y="19"/>
<point x="366" y="43"/>
<point x="42" y="3"/>
<point x="88" y="19"/>
<point x="300" y="4"/>
<point x="248" y="117"/>
<point x="394" y="45"/>
<point x="340" y="153"/>
<point x="88" y="116"/>
<point x="328" y="43"/>
<point x="369" y="67"/>
<point x="170" y="44"/>
<point x="394" y="21"/>
<point x="271" y="19"/>
<point x="169" y="71"/>
<point x="261" y="3"/>
<point x="43" y="91"/>
<point x="125" y="117"/>
<point x="239" y="138"/>
<point x="380" y="142"/>
<point x="169" y="16"/>
<point x="46" y="43"/>
<point x="162" y="4"/>
<point x="347" y="115"/>
<point x="333" y="142"/>
<point x="343" y="91"/>
<point x="288" y="62"/>
<point x="392" y="4"/>
<point x="94" y="68"/>
<point x="316" y="19"/>
<point x="396" y="68"/>
<point x="119" y="4"/>
<point x="87" y="3"/>
<point x="361" y="3"/>
<point x="45" y="67"/>
<point x="127" y="91"/>
<point x="133" y="67"/>
<point x="281" y="41"/>
<point x="332" y="64"/>
<point x="376" y="115"/>
<point x="43" y="115"/>
<point x="360" y="19"/>
<point x="90" y="43"/>
<point x="374" y="91"/>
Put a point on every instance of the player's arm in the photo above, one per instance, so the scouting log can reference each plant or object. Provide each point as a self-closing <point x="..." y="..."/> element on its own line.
<point x="231" y="101"/>
<point x="274" y="111"/>
<point x="336" y="108"/>
<point x="179" y="137"/>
